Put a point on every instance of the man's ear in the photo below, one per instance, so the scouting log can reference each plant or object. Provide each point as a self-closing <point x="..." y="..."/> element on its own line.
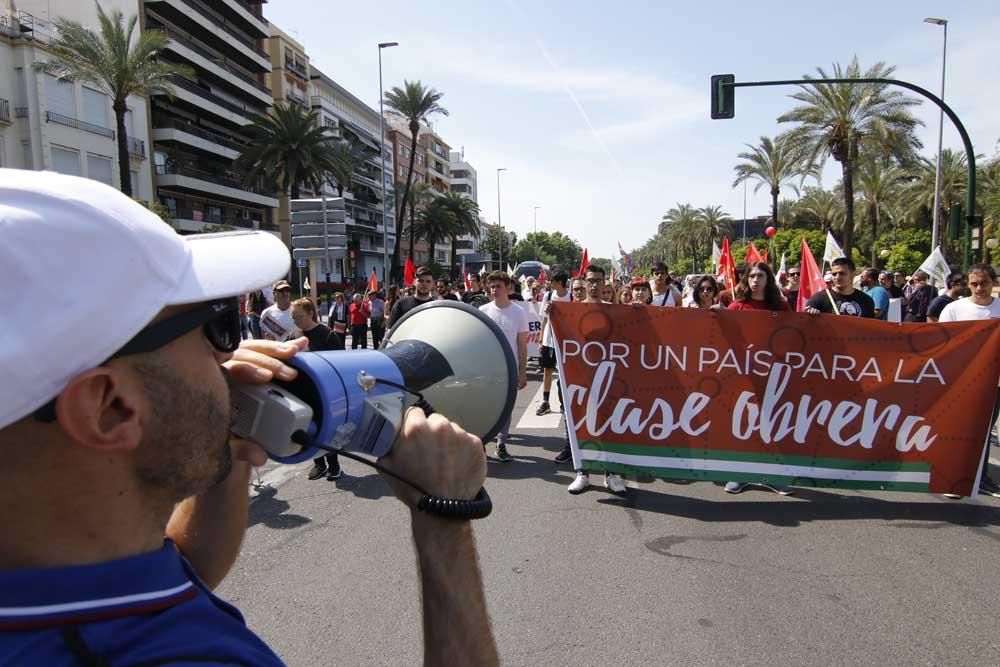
<point x="98" y="409"/>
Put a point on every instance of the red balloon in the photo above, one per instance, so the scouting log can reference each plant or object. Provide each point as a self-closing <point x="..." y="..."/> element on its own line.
<point x="770" y="232"/>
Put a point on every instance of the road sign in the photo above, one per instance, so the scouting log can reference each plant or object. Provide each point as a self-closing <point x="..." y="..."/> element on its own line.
<point x="316" y="204"/>
<point x="317" y="216"/>
<point x="302" y="263"/>
<point x="331" y="240"/>
<point x="316" y="229"/>
<point x="318" y="253"/>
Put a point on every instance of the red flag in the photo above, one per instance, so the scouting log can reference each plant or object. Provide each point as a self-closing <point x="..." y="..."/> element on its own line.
<point x="468" y="285"/>
<point x="764" y="256"/>
<point x="409" y="273"/>
<point x="584" y="263"/>
<point x="753" y="255"/>
<point x="542" y="277"/>
<point x="372" y="285"/>
<point x="811" y="281"/>
<point x="727" y="266"/>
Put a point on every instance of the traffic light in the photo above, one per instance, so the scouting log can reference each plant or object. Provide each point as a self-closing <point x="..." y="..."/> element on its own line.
<point x="955" y="222"/>
<point x="723" y="96"/>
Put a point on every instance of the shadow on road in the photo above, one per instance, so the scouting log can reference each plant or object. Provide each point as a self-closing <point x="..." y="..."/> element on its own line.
<point x="367" y="487"/>
<point x="818" y="506"/>
<point x="269" y="510"/>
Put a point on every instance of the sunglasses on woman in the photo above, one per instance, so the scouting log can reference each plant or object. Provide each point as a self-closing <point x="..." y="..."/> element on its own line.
<point x="220" y="322"/>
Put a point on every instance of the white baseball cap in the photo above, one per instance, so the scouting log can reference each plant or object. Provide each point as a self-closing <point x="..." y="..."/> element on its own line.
<point x="91" y="268"/>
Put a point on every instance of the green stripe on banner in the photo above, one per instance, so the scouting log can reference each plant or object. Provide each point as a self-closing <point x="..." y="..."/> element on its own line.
<point x="777" y="459"/>
<point x="725" y="476"/>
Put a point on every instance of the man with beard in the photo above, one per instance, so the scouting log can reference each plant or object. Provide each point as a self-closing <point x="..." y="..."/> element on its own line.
<point x="958" y="286"/>
<point x="424" y="283"/>
<point x="121" y="439"/>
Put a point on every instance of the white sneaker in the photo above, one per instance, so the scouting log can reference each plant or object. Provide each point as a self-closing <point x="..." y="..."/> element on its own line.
<point x="615" y="483"/>
<point x="579" y="484"/>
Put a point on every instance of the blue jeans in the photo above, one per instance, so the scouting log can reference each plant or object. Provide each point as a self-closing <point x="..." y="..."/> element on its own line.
<point x="255" y="326"/>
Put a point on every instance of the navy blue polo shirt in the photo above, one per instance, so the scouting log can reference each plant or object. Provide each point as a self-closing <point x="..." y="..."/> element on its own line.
<point x="148" y="609"/>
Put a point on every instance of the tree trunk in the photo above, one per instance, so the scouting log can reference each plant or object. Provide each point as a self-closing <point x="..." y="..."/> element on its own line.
<point x="874" y="209"/>
<point x="454" y="256"/>
<point x="774" y="206"/>
<point x="847" y="169"/>
<point x="414" y="130"/>
<point x="296" y="191"/>
<point x="413" y="215"/>
<point x="124" y="173"/>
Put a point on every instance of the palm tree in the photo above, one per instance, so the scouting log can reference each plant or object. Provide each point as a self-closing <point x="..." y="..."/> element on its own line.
<point x="774" y="163"/>
<point x="416" y="104"/>
<point x="420" y="195"/>
<point x="954" y="183"/>
<point x="112" y="62"/>
<point x="435" y="224"/>
<point x="822" y="204"/>
<point x="715" y="222"/>
<point x="466" y="214"/>
<point x="289" y="149"/>
<point x="878" y="181"/>
<point x="346" y="157"/>
<point x="844" y="120"/>
<point x="681" y="227"/>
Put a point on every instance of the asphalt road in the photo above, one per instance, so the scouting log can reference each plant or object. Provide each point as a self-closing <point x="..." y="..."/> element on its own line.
<point x="674" y="574"/>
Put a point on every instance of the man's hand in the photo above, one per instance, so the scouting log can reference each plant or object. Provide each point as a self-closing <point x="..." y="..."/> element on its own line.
<point x="437" y="455"/>
<point x="809" y="310"/>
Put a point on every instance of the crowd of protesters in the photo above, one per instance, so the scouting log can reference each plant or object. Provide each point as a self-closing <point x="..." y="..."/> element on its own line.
<point x="866" y="293"/>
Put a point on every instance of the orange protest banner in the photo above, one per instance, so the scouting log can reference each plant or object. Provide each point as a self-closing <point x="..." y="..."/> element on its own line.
<point x="779" y="397"/>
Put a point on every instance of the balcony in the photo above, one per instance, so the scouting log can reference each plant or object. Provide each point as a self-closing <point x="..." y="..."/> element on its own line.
<point x="4" y="111"/>
<point x="298" y="69"/>
<point x="223" y="29"/>
<point x="224" y="108"/>
<point x="217" y="181"/>
<point x="20" y="112"/>
<point x="193" y="213"/>
<point x="214" y="58"/>
<point x="173" y="129"/>
<point x="136" y="147"/>
<point x="58" y="118"/>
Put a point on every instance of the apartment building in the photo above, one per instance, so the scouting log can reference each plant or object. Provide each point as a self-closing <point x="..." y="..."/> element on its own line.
<point x="199" y="131"/>
<point x="53" y="124"/>
<point x="436" y="153"/>
<point x="401" y="139"/>
<point x="349" y="119"/>
<point x="463" y="180"/>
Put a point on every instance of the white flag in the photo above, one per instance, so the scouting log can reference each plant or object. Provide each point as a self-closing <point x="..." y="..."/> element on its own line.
<point x="482" y="271"/>
<point x="936" y="267"/>
<point x="510" y="271"/>
<point x="832" y="251"/>
<point x="305" y="285"/>
<point x="782" y="270"/>
<point x="716" y="253"/>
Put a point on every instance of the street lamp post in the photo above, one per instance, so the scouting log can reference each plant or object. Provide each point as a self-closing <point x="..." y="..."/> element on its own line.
<point x="381" y="152"/>
<point x="499" y="223"/>
<point x="937" y="175"/>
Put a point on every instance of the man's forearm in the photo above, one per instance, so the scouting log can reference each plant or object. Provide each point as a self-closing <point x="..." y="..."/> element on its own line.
<point x="209" y="528"/>
<point x="456" y="622"/>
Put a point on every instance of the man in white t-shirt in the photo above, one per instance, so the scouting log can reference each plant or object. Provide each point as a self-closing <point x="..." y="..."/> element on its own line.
<point x="982" y="305"/>
<point x="664" y="291"/>
<point x="547" y="352"/>
<point x="513" y="321"/>
<point x="276" y="321"/>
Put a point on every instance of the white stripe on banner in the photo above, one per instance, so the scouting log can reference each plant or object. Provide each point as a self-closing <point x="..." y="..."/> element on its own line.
<point x="757" y="468"/>
<point x="92" y="604"/>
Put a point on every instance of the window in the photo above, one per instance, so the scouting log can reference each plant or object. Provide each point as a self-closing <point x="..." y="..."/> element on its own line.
<point x="134" y="179"/>
<point x="129" y="123"/>
<point x="66" y="161"/>
<point x="95" y="107"/>
<point x="29" y="162"/>
<point x="60" y="96"/>
<point x="99" y="169"/>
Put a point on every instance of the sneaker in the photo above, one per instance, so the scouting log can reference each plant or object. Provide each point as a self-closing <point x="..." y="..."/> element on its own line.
<point x="316" y="472"/>
<point x="988" y="487"/>
<point x="579" y="484"/>
<point x="502" y="454"/>
<point x="543" y="409"/>
<point x="565" y="456"/>
<point x="952" y="496"/>
<point x="333" y="472"/>
<point x="735" y="487"/>
<point x="781" y="490"/>
<point x="615" y="483"/>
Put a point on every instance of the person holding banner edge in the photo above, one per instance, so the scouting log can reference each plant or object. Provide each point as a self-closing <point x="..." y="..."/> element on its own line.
<point x="841" y="298"/>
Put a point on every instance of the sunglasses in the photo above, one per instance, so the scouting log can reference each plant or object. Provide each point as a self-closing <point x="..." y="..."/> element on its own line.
<point x="707" y="288"/>
<point x="793" y="275"/>
<point x="219" y="319"/>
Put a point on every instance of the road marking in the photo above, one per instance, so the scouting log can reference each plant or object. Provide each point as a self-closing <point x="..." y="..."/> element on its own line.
<point x="530" y="420"/>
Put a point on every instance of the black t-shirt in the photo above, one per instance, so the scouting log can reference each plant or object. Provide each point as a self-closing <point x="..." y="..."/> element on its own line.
<point x="855" y="304"/>
<point x="516" y="296"/>
<point x="469" y="295"/>
<point x="937" y="305"/>
<point x="405" y="305"/>
<point x="792" y="296"/>
<point x="321" y="338"/>
<point x="450" y="297"/>
<point x="920" y="301"/>
<point x="895" y="291"/>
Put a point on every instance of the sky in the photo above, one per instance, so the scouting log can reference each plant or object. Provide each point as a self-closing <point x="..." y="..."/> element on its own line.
<point x="600" y="111"/>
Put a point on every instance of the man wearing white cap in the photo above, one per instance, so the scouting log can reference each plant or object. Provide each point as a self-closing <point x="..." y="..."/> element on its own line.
<point x="122" y="495"/>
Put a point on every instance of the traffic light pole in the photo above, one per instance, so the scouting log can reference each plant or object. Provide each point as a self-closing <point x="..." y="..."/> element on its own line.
<point x="719" y="87"/>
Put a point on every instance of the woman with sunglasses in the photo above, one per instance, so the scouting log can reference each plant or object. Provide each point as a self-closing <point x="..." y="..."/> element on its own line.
<point x="758" y="290"/>
<point x="706" y="293"/>
<point x="321" y="338"/>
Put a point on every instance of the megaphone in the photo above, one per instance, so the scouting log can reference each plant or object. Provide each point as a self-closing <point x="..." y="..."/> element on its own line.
<point x="444" y="356"/>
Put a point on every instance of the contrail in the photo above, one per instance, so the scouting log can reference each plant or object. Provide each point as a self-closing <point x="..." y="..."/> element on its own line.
<point x="569" y="91"/>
